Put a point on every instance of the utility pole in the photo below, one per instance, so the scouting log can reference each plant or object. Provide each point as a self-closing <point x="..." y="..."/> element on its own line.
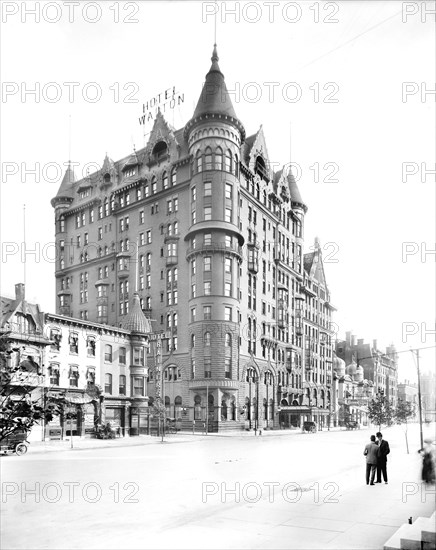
<point x="419" y="397"/>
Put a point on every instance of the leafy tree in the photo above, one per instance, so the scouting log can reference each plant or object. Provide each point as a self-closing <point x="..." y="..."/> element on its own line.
<point x="404" y="411"/>
<point x="159" y="410"/>
<point x="19" y="409"/>
<point x="380" y="410"/>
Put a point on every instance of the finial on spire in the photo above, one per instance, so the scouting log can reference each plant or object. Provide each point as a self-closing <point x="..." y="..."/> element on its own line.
<point x="214" y="54"/>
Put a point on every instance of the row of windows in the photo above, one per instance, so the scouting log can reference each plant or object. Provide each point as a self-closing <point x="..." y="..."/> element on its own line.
<point x="207" y="363"/>
<point x="215" y="160"/>
<point x="108" y="207"/>
<point x="207" y="313"/>
<point x="207" y="338"/>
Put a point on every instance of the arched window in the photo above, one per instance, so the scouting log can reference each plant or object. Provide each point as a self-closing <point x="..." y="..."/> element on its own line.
<point x="206" y="339"/>
<point x="122" y="385"/>
<point x="178" y="409"/>
<point x="260" y="168"/>
<point x="257" y="192"/>
<point x="167" y="406"/>
<point x="228" y="161"/>
<point x="208" y="159"/>
<point x="199" y="161"/>
<point x="160" y="150"/>
<point x="197" y="407"/>
<point x="218" y="158"/>
<point x="223" y="408"/>
<point x="165" y="180"/>
<point x="211" y="407"/>
<point x="153" y="185"/>
<point x="236" y="165"/>
<point x="173" y="176"/>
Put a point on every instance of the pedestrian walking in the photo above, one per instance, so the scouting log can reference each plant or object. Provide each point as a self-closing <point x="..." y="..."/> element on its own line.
<point x="384" y="450"/>
<point x="371" y="452"/>
<point x="428" y="462"/>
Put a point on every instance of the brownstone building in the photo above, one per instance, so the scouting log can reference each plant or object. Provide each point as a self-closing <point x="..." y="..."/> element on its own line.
<point x="212" y="240"/>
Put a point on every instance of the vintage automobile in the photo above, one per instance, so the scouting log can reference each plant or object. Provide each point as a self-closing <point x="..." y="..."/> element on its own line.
<point x="352" y="425"/>
<point x="15" y="443"/>
<point x="309" y="427"/>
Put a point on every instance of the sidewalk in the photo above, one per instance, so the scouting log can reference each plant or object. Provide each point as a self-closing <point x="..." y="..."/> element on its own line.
<point x="135" y="441"/>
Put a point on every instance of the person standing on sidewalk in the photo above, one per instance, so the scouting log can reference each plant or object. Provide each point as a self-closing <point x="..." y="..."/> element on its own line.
<point x="371" y="452"/>
<point x="384" y="450"/>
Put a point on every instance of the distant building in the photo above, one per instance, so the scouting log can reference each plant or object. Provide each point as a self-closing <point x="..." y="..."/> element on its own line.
<point x="428" y="396"/>
<point x="379" y="367"/>
<point x="24" y="346"/>
<point x="406" y="391"/>
<point x="95" y="373"/>
<point x="351" y="393"/>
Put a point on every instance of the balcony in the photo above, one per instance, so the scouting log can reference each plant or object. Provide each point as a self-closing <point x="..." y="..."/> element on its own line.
<point x="211" y="248"/>
<point x="171" y="260"/>
<point x="169" y="237"/>
<point x="253" y="266"/>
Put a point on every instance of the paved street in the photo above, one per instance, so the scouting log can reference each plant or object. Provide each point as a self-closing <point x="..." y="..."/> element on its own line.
<point x="283" y="491"/>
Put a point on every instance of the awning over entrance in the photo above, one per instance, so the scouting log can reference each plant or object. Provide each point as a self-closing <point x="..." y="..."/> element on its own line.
<point x="79" y="399"/>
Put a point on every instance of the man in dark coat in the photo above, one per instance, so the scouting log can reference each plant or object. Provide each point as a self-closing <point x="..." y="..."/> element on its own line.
<point x="371" y="452"/>
<point x="382" y="458"/>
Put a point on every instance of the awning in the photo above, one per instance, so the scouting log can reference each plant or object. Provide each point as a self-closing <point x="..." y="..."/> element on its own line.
<point x="77" y="398"/>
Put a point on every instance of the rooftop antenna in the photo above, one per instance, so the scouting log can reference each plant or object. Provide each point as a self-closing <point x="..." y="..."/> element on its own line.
<point x="290" y="146"/>
<point x="24" y="244"/>
<point x="69" y="138"/>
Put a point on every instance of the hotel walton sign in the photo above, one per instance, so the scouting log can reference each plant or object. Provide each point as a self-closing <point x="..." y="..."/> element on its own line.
<point x="165" y="101"/>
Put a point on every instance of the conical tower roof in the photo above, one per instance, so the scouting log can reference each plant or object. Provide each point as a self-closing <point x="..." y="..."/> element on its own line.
<point x="294" y="191"/>
<point x="136" y="321"/>
<point x="215" y="98"/>
<point x="66" y="187"/>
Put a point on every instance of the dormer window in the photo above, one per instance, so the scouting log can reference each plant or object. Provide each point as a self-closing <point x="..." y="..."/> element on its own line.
<point x="107" y="178"/>
<point x="129" y="172"/>
<point x="160" y="151"/>
<point x="260" y="168"/>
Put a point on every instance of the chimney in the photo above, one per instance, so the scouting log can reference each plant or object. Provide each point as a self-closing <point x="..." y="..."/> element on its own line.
<point x="374" y="344"/>
<point x="360" y="342"/>
<point x="19" y="292"/>
<point x="353" y="340"/>
<point x="348" y="337"/>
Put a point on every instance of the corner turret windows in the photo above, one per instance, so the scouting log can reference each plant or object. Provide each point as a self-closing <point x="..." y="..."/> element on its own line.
<point x="208" y="158"/>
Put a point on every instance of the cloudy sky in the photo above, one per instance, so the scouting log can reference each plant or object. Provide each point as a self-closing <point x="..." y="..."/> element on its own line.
<point x="339" y="87"/>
